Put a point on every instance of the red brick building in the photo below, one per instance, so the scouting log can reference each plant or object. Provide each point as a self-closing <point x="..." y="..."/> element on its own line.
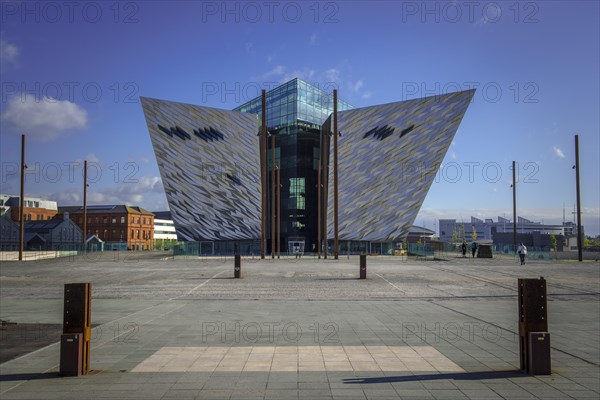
<point x="35" y="209"/>
<point x="116" y="224"/>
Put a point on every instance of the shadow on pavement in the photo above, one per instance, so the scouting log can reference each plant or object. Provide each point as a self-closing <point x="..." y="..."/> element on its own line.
<point x="28" y="377"/>
<point x="467" y="376"/>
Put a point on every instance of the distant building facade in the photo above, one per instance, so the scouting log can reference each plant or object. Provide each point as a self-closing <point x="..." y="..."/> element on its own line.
<point x="116" y="224"/>
<point x="164" y="228"/>
<point x="57" y="234"/>
<point x="9" y="233"/>
<point x="451" y="230"/>
<point x="210" y="164"/>
<point x="35" y="209"/>
<point x="534" y="239"/>
<point x="419" y="234"/>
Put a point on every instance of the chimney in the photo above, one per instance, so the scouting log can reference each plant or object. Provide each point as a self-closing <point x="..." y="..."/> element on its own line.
<point x="66" y="215"/>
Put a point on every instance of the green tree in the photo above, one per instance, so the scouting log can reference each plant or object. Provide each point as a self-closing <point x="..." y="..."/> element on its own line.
<point x="554" y="244"/>
<point x="454" y="235"/>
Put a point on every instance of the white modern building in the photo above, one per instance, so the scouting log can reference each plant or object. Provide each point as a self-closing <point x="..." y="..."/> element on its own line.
<point x="451" y="229"/>
<point x="164" y="228"/>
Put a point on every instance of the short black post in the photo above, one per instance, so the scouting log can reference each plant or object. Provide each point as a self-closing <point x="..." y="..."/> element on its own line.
<point x="237" y="268"/>
<point x="363" y="266"/>
<point x="534" y="339"/>
<point x="77" y="322"/>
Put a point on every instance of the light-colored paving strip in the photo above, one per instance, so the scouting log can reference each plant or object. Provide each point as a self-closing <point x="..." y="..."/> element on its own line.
<point x="297" y="358"/>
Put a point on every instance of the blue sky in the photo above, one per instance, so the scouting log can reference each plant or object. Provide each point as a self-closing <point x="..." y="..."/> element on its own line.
<point x="72" y="74"/>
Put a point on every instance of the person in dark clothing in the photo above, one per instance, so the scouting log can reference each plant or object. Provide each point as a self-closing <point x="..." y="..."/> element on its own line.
<point x="463" y="247"/>
<point x="473" y="248"/>
<point x="522" y="250"/>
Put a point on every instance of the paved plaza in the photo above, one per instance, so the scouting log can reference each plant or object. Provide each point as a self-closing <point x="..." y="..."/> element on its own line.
<point x="298" y="328"/>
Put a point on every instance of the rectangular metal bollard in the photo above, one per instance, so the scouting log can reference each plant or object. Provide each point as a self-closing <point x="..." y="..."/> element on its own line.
<point x="533" y="316"/>
<point x="77" y="318"/>
<point x="363" y="266"/>
<point x="539" y="353"/>
<point x="71" y="354"/>
<point x="237" y="267"/>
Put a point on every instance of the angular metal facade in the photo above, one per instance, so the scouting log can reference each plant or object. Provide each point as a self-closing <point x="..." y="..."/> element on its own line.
<point x="388" y="156"/>
<point x="209" y="162"/>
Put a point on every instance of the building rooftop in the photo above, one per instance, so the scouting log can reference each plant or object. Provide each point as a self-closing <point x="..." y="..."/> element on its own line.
<point x="162" y="215"/>
<point x="295" y="102"/>
<point x="103" y="209"/>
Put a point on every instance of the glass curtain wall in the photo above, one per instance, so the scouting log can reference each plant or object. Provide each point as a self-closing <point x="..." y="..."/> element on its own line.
<point x="295" y="112"/>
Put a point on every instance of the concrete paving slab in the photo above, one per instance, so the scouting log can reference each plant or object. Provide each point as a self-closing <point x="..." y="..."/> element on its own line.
<point x="304" y="329"/>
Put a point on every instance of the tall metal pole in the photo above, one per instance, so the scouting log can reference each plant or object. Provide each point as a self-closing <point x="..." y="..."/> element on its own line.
<point x="514" y="186"/>
<point x="335" y="176"/>
<point x="22" y="201"/>
<point x="84" y="205"/>
<point x="579" y="233"/>
<point x="273" y="214"/>
<point x="319" y="205"/>
<point x="279" y="210"/>
<point x="325" y="181"/>
<point x="263" y="161"/>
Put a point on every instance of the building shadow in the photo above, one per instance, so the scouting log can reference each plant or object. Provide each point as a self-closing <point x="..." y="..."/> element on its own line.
<point x="462" y="376"/>
<point x="28" y="377"/>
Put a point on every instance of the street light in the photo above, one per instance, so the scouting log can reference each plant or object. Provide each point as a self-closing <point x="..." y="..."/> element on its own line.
<point x="85" y="186"/>
<point x="22" y="200"/>
<point x="578" y="188"/>
<point x="514" y="187"/>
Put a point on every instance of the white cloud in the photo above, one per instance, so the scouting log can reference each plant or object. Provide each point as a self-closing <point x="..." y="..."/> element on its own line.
<point x="281" y="74"/>
<point x="367" y="95"/>
<point x="123" y="193"/>
<point x="313" y="39"/>
<point x="333" y="74"/>
<point x="9" y="53"/>
<point x="249" y="48"/>
<point x="44" y="119"/>
<point x="269" y="59"/>
<point x="91" y="157"/>
<point x="558" y="152"/>
<point x="453" y="155"/>
<point x="356" y="86"/>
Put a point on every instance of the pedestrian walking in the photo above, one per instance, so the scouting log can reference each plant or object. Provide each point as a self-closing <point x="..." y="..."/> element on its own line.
<point x="463" y="248"/>
<point x="522" y="250"/>
<point x="473" y="248"/>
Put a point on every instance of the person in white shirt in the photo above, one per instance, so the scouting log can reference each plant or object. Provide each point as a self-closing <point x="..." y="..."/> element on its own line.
<point x="522" y="250"/>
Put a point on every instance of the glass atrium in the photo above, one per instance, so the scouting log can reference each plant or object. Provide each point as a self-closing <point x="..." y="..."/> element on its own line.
<point x="295" y="112"/>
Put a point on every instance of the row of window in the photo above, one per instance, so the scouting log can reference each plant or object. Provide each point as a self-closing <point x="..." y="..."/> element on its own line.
<point x="112" y="234"/>
<point x="38" y="217"/>
<point x="113" y="220"/>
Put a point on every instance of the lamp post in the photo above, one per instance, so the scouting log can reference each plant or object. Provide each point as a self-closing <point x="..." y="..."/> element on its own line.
<point x="514" y="188"/>
<point x="84" y="206"/>
<point x="578" y="188"/>
<point x="324" y="182"/>
<point x="263" y="156"/>
<point x="319" y="204"/>
<point x="335" y="176"/>
<point x="22" y="201"/>
<point x="273" y="215"/>
<point x="278" y="210"/>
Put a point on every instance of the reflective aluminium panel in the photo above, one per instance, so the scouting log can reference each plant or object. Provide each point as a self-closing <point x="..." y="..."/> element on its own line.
<point x="209" y="162"/>
<point x="387" y="159"/>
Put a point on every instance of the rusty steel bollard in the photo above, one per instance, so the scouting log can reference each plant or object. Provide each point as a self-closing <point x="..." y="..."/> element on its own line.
<point x="237" y="267"/>
<point x="363" y="266"/>
<point x="77" y="322"/>
<point x="534" y="339"/>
